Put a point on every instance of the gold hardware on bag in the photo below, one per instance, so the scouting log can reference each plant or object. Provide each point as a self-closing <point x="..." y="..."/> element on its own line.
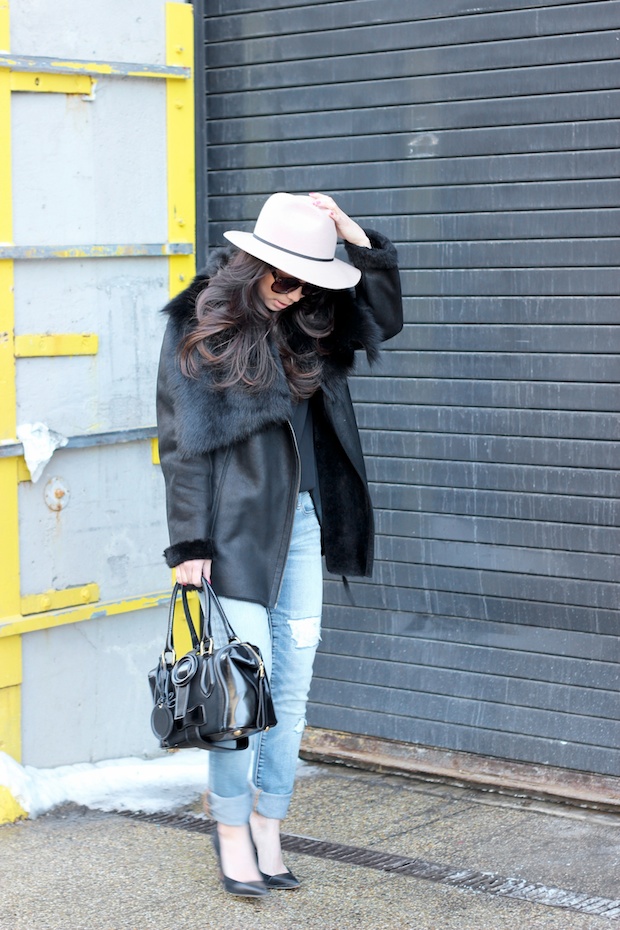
<point x="261" y="667"/>
<point x="236" y="732"/>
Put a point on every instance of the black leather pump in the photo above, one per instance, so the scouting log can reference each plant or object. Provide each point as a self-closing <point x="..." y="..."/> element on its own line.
<point x="281" y="882"/>
<point x="241" y="889"/>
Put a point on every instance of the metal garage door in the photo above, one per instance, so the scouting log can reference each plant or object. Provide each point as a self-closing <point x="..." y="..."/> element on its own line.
<point x="484" y="143"/>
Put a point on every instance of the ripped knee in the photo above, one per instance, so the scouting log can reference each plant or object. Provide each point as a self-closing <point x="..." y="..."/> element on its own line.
<point x="306" y="632"/>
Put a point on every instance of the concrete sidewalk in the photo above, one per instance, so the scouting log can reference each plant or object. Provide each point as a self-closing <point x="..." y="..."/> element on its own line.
<point x="76" y="869"/>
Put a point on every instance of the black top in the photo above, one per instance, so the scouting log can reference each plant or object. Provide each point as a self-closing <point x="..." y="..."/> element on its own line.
<point x="303" y="429"/>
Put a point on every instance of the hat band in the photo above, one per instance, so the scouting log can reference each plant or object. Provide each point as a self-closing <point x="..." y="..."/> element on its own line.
<point x="281" y="248"/>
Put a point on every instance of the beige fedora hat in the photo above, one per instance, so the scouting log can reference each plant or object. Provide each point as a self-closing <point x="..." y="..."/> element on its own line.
<point x="299" y="239"/>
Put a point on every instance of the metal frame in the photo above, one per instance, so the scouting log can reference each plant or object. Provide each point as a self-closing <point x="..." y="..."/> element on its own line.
<point x="46" y="75"/>
<point x="47" y="252"/>
<point x="11" y="647"/>
<point x="33" y="64"/>
<point x="200" y="110"/>
<point x="89" y="440"/>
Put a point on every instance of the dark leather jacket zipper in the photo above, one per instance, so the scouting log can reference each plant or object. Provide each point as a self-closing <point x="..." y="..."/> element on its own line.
<point x="296" y="495"/>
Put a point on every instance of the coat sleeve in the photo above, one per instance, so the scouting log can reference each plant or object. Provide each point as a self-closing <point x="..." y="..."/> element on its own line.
<point x="378" y="292"/>
<point x="187" y="478"/>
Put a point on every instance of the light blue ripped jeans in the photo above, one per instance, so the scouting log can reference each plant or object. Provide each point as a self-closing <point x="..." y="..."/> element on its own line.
<point x="261" y="778"/>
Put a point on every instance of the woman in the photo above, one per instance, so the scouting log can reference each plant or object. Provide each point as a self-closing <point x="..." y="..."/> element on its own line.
<point x="263" y="467"/>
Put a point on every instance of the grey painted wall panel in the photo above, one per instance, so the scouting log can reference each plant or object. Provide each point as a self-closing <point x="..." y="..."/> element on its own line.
<point x="483" y="141"/>
<point x="399" y="696"/>
<point x="470" y="685"/>
<point x="90" y="669"/>
<point x="461" y="146"/>
<point x="492" y="421"/>
<point x="388" y="604"/>
<point x="493" y="228"/>
<point x="499" y="337"/>
<point x="118" y="135"/>
<point x="522" y="533"/>
<point x="539" y="394"/>
<point x="366" y="9"/>
<point x="536" y="505"/>
<point x="453" y="115"/>
<point x="506" y="83"/>
<point x="509" y="366"/>
<point x="462" y="58"/>
<point x="90" y="170"/>
<point x="117" y="299"/>
<point x="400" y="168"/>
<point x="563" y="309"/>
<point x="459" y="198"/>
<point x="111" y="531"/>
<point x="319" y="39"/>
<point x="477" y="739"/>
<point x="484" y="631"/>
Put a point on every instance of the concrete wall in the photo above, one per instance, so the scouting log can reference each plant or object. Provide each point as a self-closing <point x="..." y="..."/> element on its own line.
<point x="91" y="170"/>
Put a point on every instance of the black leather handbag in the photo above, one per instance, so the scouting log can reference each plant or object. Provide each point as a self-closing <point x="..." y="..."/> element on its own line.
<point x="210" y="698"/>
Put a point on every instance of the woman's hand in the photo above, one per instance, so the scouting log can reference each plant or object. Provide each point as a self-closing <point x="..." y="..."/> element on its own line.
<point x="346" y="228"/>
<point x="193" y="571"/>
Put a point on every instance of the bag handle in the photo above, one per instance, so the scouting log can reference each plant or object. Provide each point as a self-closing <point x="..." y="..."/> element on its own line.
<point x="209" y="600"/>
<point x="202" y="640"/>
<point x="195" y="636"/>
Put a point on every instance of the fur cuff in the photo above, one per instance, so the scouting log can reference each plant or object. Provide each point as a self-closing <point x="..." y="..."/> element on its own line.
<point x="184" y="551"/>
<point x="382" y="255"/>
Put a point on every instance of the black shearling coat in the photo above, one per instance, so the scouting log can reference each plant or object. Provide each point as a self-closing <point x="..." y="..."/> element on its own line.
<point x="230" y="459"/>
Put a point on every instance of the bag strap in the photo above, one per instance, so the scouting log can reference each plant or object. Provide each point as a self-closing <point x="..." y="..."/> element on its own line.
<point x="209" y="601"/>
<point x="190" y="623"/>
<point x="202" y="639"/>
<point x="197" y="637"/>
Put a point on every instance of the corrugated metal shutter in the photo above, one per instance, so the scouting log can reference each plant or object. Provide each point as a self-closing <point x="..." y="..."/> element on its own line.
<point x="484" y="142"/>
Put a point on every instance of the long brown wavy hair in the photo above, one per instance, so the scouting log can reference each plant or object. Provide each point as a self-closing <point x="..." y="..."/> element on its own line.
<point x="232" y="335"/>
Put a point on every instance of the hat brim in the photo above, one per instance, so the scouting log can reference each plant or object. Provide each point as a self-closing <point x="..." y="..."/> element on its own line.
<point x="334" y="274"/>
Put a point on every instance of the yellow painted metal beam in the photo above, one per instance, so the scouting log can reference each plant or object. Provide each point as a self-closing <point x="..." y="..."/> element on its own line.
<point x="10" y="722"/>
<point x="180" y="143"/>
<point x="56" y="600"/>
<point x="17" y="624"/>
<point x="155" y="452"/>
<point x="23" y="472"/>
<point x="40" y="65"/>
<point x="10" y="696"/>
<point x="7" y="310"/>
<point x="10" y="648"/>
<point x="181" y="634"/>
<point x="14" y="627"/>
<point x="36" y="345"/>
<point x="42" y="83"/>
<point x="10" y="808"/>
<point x="9" y="539"/>
<point x="7" y="364"/>
<point x="5" y="34"/>
<point x="39" y="253"/>
<point x="10" y="661"/>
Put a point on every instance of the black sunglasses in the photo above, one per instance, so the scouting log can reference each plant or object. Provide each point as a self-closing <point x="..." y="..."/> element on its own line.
<point x="284" y="285"/>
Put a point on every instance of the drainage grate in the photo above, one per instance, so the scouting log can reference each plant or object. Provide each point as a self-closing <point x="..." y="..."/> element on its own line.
<point x="484" y="882"/>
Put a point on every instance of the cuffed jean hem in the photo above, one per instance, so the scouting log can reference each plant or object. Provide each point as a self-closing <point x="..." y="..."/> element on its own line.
<point x="235" y="812"/>
<point x="271" y="805"/>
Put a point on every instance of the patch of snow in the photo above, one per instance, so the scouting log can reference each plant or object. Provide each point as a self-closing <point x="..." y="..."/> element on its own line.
<point x="165" y="783"/>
